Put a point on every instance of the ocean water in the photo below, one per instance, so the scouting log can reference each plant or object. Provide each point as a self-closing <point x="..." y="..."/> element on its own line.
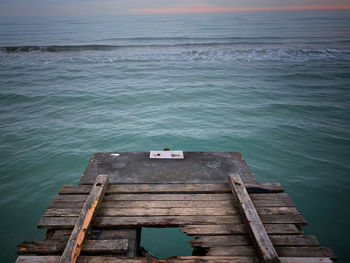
<point x="274" y="86"/>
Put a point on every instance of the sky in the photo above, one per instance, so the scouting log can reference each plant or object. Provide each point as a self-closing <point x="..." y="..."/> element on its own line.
<point x="114" y="7"/>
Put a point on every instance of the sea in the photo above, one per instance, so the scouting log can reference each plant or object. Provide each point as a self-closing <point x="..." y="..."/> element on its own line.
<point x="274" y="86"/>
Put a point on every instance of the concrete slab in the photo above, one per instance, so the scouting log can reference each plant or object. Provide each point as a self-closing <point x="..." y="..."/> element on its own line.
<point x="196" y="167"/>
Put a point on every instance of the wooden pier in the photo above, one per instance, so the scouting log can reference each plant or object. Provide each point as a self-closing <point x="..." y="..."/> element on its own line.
<point x="212" y="196"/>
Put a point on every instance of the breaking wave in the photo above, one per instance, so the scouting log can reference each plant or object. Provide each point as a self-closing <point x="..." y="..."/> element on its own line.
<point x="73" y="48"/>
<point x="207" y="52"/>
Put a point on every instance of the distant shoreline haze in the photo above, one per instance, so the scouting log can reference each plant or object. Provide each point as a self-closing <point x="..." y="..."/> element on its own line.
<point x="77" y="8"/>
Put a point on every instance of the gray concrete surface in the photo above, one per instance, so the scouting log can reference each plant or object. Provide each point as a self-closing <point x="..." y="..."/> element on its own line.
<point x="196" y="167"/>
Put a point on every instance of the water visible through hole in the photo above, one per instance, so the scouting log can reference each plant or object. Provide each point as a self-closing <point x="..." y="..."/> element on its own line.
<point x="165" y="242"/>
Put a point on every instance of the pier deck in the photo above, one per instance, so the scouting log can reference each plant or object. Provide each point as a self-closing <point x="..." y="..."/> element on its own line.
<point x="232" y="217"/>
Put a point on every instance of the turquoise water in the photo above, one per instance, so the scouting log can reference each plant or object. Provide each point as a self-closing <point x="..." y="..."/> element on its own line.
<point x="165" y="242"/>
<point x="273" y="86"/>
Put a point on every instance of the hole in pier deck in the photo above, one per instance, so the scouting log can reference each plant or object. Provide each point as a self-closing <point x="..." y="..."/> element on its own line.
<point x="163" y="243"/>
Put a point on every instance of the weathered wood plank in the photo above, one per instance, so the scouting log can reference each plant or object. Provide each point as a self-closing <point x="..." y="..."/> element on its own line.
<point x="81" y="259"/>
<point x="283" y="219"/>
<point x="156" y="221"/>
<point x="132" y="235"/>
<point x="172" y="197"/>
<point x="146" y="211"/>
<point x="243" y="240"/>
<point x="243" y="251"/>
<point x="131" y="207"/>
<point x="84" y="221"/>
<point x="264" y="247"/>
<point x="136" y="200"/>
<point x="277" y="211"/>
<point x="306" y="252"/>
<point x="124" y="221"/>
<point x="147" y="204"/>
<point x="171" y="188"/>
<point x="176" y="204"/>
<point x="105" y="211"/>
<point x="207" y="230"/>
<point x="149" y="197"/>
<point x="174" y="220"/>
<point x="223" y="259"/>
<point x="194" y="197"/>
<point x="90" y="246"/>
<point x="305" y="260"/>
<point x="190" y="259"/>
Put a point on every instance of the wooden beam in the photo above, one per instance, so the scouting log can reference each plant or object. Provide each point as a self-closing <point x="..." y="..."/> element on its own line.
<point x="84" y="222"/>
<point x="263" y="245"/>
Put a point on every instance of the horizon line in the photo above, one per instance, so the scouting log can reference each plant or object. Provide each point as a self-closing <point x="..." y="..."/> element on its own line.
<point x="189" y="10"/>
<point x="198" y="9"/>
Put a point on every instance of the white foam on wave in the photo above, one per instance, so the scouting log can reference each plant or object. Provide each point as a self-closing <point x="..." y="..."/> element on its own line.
<point x="204" y="55"/>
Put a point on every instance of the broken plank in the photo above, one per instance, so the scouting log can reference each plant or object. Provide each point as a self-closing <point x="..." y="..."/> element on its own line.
<point x="305" y="260"/>
<point x="282" y="251"/>
<point x="205" y="230"/>
<point x="100" y="259"/>
<point x="237" y="251"/>
<point x="188" y="259"/>
<point x="243" y="240"/>
<point x="90" y="246"/>
<point x="225" y="259"/>
<point x="81" y="259"/>
<point x="84" y="221"/>
<point x="262" y="243"/>
<point x="306" y="252"/>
